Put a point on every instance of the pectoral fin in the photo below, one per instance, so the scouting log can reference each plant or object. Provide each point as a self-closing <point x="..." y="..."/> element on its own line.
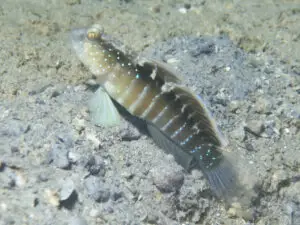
<point x="102" y="110"/>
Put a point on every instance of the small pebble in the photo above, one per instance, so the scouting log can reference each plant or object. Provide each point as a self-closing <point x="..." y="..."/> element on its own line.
<point x="249" y="147"/>
<point x="67" y="139"/>
<point x="187" y="5"/>
<point x="7" y="179"/>
<point x="94" y="213"/>
<point x="292" y="193"/>
<point x="52" y="197"/>
<point x="256" y="62"/>
<point x="129" y="132"/>
<point x="263" y="106"/>
<point x="272" y="126"/>
<point x="156" y="8"/>
<point x="116" y="195"/>
<point x="55" y="94"/>
<point x="205" y="48"/>
<point x="278" y="178"/>
<point x="2" y="166"/>
<point x="127" y="175"/>
<point x="77" y="220"/>
<point x="79" y="124"/>
<point x="97" y="189"/>
<point x="234" y="106"/>
<point x="14" y="149"/>
<point x="167" y="179"/>
<point x="73" y="157"/>
<point x="93" y="138"/>
<point x="151" y="218"/>
<point x="66" y="190"/>
<point x="95" y="165"/>
<point x="182" y="10"/>
<point x="20" y="178"/>
<point x="255" y="127"/>
<point x="239" y="132"/>
<point x="109" y="209"/>
<point x="59" y="156"/>
<point x="42" y="177"/>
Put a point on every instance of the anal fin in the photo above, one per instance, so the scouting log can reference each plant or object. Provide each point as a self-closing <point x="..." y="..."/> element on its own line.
<point x="170" y="147"/>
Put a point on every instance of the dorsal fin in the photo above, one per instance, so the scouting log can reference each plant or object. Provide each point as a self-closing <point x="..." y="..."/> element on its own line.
<point x="158" y="70"/>
<point x="200" y="113"/>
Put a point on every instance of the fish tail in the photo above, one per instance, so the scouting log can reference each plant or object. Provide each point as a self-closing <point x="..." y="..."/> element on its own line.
<point x="222" y="178"/>
<point x="221" y="169"/>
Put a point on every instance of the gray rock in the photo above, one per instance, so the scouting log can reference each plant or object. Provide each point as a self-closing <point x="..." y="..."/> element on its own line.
<point x="59" y="156"/>
<point x="255" y="127"/>
<point x="205" y="47"/>
<point x="7" y="179"/>
<point x="292" y="192"/>
<point x="249" y="146"/>
<point x="263" y="106"/>
<point x="42" y="177"/>
<point x="151" y="218"/>
<point x="239" y="132"/>
<point x="67" y="139"/>
<point x="66" y="190"/>
<point x="166" y="179"/>
<point x="279" y="178"/>
<point x="94" y="164"/>
<point x="97" y="189"/>
<point x="234" y="106"/>
<point x="77" y="220"/>
<point x="127" y="175"/>
<point x="129" y="132"/>
<point x="292" y="211"/>
<point x="13" y="128"/>
<point x="116" y="195"/>
<point x="296" y="216"/>
<point x="272" y="126"/>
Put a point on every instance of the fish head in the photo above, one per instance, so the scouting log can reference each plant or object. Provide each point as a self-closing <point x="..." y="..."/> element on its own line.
<point x="93" y="50"/>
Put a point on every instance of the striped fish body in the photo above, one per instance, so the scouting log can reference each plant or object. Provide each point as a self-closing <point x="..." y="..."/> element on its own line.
<point x="177" y="119"/>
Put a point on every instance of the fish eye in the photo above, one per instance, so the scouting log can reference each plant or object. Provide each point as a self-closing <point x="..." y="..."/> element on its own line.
<point x="94" y="33"/>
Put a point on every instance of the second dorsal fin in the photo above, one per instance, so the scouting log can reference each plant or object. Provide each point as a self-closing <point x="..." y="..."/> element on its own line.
<point x="158" y="70"/>
<point x="201" y="113"/>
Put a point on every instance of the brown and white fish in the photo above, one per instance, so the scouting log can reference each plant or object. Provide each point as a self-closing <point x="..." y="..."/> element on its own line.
<point x="176" y="118"/>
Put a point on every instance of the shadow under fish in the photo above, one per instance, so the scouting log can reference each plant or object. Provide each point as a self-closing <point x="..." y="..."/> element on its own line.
<point x="176" y="118"/>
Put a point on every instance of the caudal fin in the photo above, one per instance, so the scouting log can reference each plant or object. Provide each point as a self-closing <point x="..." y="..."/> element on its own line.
<point x="222" y="179"/>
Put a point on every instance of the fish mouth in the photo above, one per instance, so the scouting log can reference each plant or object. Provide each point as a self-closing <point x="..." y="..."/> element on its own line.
<point x="77" y="38"/>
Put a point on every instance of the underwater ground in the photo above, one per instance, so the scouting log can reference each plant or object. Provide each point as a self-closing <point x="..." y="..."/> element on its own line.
<point x="56" y="167"/>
